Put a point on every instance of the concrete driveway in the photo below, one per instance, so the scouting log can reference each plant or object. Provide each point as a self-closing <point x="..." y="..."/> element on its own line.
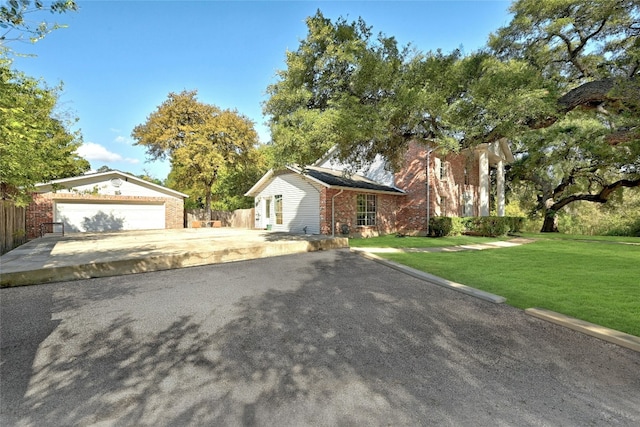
<point x="323" y="338"/>
<point x="57" y="258"/>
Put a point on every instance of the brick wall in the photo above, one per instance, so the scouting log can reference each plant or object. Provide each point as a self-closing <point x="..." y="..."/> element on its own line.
<point x="445" y="195"/>
<point x="41" y="208"/>
<point x="345" y="210"/>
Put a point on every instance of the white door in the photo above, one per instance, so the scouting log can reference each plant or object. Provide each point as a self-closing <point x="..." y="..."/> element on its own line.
<point x="84" y="217"/>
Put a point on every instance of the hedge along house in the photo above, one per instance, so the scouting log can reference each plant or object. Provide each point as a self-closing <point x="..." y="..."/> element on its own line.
<point x="108" y="201"/>
<point x="325" y="199"/>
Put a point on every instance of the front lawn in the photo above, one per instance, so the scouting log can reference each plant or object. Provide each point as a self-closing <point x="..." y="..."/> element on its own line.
<point x="597" y="281"/>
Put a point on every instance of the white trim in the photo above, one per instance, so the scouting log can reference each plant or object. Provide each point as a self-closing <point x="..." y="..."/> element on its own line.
<point x="46" y="187"/>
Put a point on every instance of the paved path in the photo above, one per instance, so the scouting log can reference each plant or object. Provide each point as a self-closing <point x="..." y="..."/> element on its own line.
<point x="324" y="338"/>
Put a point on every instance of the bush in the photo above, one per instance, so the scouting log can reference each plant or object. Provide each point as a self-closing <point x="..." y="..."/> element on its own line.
<point x="489" y="226"/>
<point x="440" y="226"/>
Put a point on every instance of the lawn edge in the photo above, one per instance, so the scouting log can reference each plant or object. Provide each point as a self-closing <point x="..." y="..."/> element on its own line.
<point x="496" y="299"/>
<point x="610" y="335"/>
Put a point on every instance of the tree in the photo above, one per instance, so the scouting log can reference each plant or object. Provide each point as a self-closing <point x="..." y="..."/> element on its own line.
<point x="340" y="88"/>
<point x="587" y="145"/>
<point x="202" y="141"/>
<point x="14" y="22"/>
<point x="35" y="144"/>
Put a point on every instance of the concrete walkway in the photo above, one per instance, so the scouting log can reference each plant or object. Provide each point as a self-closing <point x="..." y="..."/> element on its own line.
<point x="85" y="255"/>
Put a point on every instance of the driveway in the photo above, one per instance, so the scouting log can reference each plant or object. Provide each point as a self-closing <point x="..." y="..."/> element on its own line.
<point x="321" y="338"/>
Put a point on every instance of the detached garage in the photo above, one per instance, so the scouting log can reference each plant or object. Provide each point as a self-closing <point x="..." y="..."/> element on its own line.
<point x="108" y="201"/>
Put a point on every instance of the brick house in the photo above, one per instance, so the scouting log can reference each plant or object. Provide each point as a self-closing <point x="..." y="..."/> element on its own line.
<point x="324" y="199"/>
<point x="107" y="201"/>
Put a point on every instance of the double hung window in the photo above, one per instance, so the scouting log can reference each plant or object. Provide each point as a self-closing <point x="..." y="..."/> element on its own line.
<point x="366" y="209"/>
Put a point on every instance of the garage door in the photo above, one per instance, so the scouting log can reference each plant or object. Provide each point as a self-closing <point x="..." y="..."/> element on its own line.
<point x="109" y="216"/>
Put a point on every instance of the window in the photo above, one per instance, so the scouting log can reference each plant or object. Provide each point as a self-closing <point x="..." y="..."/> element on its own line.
<point x="267" y="208"/>
<point x="443" y="170"/>
<point x="278" y="208"/>
<point x="366" y="209"/>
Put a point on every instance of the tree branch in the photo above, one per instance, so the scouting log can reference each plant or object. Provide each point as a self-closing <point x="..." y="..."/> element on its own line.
<point x="601" y="197"/>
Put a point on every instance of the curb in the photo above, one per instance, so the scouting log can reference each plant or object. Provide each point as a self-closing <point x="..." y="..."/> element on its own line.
<point x="613" y="336"/>
<point x="610" y="335"/>
<point x="496" y="299"/>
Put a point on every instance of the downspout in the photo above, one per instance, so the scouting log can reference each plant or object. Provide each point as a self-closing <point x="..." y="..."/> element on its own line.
<point x="428" y="183"/>
<point x="333" y="213"/>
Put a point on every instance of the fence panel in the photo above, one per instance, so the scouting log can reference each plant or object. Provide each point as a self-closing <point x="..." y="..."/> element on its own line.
<point x="13" y="226"/>
<point x="240" y="218"/>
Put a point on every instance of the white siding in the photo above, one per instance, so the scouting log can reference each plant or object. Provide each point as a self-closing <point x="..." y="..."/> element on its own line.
<point x="300" y="204"/>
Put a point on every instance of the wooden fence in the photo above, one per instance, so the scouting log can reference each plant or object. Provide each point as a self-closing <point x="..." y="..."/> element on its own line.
<point x="12" y="226"/>
<point x="240" y="218"/>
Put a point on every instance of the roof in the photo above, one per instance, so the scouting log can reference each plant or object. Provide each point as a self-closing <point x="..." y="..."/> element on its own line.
<point x="328" y="178"/>
<point x="101" y="176"/>
<point x="338" y="179"/>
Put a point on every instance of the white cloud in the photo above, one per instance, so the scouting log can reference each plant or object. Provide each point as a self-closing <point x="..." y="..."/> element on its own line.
<point x="96" y="152"/>
<point x="122" y="140"/>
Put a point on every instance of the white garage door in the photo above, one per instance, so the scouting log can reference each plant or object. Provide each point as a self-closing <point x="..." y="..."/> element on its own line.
<point x="109" y="216"/>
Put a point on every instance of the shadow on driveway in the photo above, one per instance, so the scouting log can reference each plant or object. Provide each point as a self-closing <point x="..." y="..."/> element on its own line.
<point x="324" y="338"/>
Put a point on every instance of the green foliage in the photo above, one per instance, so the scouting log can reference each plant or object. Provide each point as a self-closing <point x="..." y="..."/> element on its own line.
<point x="15" y="23"/>
<point x="211" y="150"/>
<point x="490" y="226"/>
<point x="440" y="226"/>
<point x="342" y="87"/>
<point x="35" y="145"/>
<point x="586" y="145"/>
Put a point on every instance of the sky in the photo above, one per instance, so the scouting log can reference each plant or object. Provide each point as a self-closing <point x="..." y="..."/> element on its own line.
<point x="119" y="60"/>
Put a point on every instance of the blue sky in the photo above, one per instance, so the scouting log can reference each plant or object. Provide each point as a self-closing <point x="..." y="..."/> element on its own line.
<point x="118" y="60"/>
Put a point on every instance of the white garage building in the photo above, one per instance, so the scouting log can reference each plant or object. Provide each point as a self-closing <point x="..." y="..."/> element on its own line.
<point x="108" y="201"/>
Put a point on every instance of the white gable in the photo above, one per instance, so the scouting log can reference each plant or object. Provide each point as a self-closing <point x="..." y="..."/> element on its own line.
<point x="113" y="183"/>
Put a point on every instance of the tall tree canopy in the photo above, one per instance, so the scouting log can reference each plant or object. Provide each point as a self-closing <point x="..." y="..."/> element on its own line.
<point x="560" y="81"/>
<point x="202" y="141"/>
<point x="35" y="144"/>
<point x="339" y="89"/>
<point x="587" y="145"/>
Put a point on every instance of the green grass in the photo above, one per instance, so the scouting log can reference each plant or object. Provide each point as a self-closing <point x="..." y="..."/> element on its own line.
<point x="560" y="236"/>
<point x="391" y="241"/>
<point x="594" y="281"/>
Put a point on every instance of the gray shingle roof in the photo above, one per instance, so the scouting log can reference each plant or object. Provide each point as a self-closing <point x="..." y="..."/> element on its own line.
<point x="339" y="179"/>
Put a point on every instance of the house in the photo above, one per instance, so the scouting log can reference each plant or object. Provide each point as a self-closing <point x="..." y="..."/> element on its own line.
<point x="107" y="201"/>
<point x="325" y="199"/>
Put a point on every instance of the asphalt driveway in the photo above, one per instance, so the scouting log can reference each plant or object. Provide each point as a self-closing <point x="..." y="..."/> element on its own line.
<point x="321" y="338"/>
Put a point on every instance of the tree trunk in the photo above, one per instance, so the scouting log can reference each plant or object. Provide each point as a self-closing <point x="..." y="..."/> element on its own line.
<point x="550" y="224"/>
<point x="207" y="206"/>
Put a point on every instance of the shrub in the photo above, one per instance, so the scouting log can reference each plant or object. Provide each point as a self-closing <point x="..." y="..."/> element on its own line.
<point x="440" y="226"/>
<point x="490" y="226"/>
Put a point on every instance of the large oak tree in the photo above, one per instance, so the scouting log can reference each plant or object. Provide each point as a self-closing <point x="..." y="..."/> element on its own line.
<point x="560" y="81"/>
<point x="202" y="141"/>
<point x="587" y="146"/>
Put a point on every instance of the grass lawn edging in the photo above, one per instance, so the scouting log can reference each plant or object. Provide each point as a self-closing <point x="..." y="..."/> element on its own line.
<point x="614" y="336"/>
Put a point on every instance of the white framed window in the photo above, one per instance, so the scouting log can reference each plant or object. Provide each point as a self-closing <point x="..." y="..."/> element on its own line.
<point x="267" y="208"/>
<point x="277" y="202"/>
<point x="366" y="210"/>
<point x="443" y="170"/>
